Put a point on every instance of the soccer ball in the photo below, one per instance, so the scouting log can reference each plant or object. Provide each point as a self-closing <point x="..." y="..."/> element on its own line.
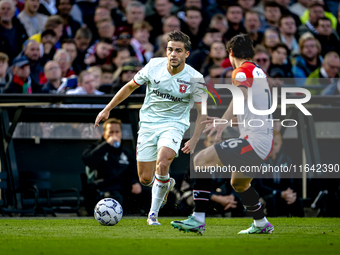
<point x="108" y="212"/>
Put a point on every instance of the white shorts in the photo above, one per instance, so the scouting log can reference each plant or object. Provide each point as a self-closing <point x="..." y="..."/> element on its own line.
<point x="151" y="139"/>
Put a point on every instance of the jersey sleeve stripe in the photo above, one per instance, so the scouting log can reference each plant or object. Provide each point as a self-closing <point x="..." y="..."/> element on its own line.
<point x="135" y="81"/>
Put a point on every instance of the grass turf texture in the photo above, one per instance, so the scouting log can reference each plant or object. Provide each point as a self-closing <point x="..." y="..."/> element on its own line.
<point x="132" y="236"/>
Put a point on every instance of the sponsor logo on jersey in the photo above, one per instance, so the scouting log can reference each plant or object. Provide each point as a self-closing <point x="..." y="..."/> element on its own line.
<point x="182" y="88"/>
<point x="181" y="81"/>
<point x="167" y="96"/>
<point x="156" y="81"/>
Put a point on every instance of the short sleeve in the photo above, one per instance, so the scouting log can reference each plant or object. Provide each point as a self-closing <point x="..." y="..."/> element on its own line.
<point x="142" y="76"/>
<point x="242" y="77"/>
<point x="199" y="90"/>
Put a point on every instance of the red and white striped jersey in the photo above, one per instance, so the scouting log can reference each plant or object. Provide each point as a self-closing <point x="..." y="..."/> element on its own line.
<point x="259" y="136"/>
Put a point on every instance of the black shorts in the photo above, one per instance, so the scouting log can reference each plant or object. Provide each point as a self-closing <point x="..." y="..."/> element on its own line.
<point x="237" y="154"/>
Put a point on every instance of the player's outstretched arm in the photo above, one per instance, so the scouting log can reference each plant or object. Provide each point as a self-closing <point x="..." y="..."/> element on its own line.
<point x="121" y="95"/>
<point x="199" y="127"/>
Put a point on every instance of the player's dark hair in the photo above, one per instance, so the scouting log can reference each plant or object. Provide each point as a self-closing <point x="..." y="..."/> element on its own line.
<point x="242" y="46"/>
<point x="112" y="121"/>
<point x="178" y="36"/>
<point x="272" y="4"/>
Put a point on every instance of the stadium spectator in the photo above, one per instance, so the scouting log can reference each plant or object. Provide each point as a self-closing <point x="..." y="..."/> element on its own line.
<point x="195" y="3"/>
<point x="216" y="56"/>
<point x="52" y="73"/>
<point x="326" y="74"/>
<point x="33" y="21"/>
<point x="87" y="9"/>
<point x="106" y="79"/>
<point x="100" y="12"/>
<point x="70" y="46"/>
<point x="97" y="74"/>
<point x="123" y="39"/>
<point x="286" y="11"/>
<point x="287" y="34"/>
<point x="299" y="7"/>
<point x="161" y="52"/>
<point x="272" y="15"/>
<point x="277" y="189"/>
<point x="163" y="10"/>
<point x="316" y="10"/>
<point x="55" y="23"/>
<point x="193" y="26"/>
<point x="127" y="72"/>
<point x="140" y="42"/>
<point x="219" y="22"/>
<point x="119" y="56"/>
<point x="271" y="37"/>
<point x="70" y="25"/>
<point x="246" y="4"/>
<point x="308" y="60"/>
<point x="85" y="86"/>
<point x="219" y="6"/>
<point x="252" y="25"/>
<point x="4" y="75"/>
<point x="262" y="58"/>
<point x="21" y="82"/>
<point x="12" y="32"/>
<point x="105" y="28"/>
<point x="338" y="24"/>
<point x="170" y="24"/>
<point x="37" y="63"/>
<point x="197" y="57"/>
<point x="100" y="53"/>
<point x="114" y="167"/>
<point x="82" y="40"/>
<point x="135" y="12"/>
<point x="234" y="16"/>
<point x="116" y="15"/>
<point x="327" y="38"/>
<point x="278" y="68"/>
<point x="64" y="61"/>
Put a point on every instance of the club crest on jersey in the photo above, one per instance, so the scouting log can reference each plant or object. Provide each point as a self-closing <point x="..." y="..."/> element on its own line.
<point x="241" y="77"/>
<point x="182" y="88"/>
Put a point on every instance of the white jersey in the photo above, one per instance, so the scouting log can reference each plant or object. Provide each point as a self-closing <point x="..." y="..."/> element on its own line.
<point x="169" y="98"/>
<point x="260" y="138"/>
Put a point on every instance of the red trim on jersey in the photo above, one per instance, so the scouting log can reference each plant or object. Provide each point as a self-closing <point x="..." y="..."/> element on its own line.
<point x="246" y="137"/>
<point x="270" y="149"/>
<point x="198" y="102"/>
<point x="246" y="149"/>
<point x="135" y="81"/>
<point x="246" y="68"/>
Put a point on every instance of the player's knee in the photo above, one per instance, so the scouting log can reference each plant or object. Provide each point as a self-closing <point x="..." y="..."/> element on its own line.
<point x="145" y="180"/>
<point x="239" y="185"/>
<point x="163" y="166"/>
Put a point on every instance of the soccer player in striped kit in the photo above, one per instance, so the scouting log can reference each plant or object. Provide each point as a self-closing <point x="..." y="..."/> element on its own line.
<point x="251" y="148"/>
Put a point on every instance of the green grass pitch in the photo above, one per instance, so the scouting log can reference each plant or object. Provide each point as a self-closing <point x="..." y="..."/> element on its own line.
<point x="132" y="236"/>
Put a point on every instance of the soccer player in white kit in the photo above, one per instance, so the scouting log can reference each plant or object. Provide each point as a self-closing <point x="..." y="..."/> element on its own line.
<point x="172" y="89"/>
<point x="251" y="148"/>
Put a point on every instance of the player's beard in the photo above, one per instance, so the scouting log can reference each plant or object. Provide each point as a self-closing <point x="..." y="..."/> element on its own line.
<point x="176" y="66"/>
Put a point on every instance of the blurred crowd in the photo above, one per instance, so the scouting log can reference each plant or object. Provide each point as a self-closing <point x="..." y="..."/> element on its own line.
<point x="96" y="46"/>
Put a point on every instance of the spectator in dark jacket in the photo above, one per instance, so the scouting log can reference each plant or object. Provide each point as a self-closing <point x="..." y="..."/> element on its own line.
<point x="52" y="73"/>
<point x="12" y="32"/>
<point x="21" y="82"/>
<point x="70" y="25"/>
<point x="115" y="168"/>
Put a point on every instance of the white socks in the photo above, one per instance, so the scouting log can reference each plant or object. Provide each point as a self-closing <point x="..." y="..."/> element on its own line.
<point x="159" y="190"/>
<point x="199" y="216"/>
<point x="261" y="223"/>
